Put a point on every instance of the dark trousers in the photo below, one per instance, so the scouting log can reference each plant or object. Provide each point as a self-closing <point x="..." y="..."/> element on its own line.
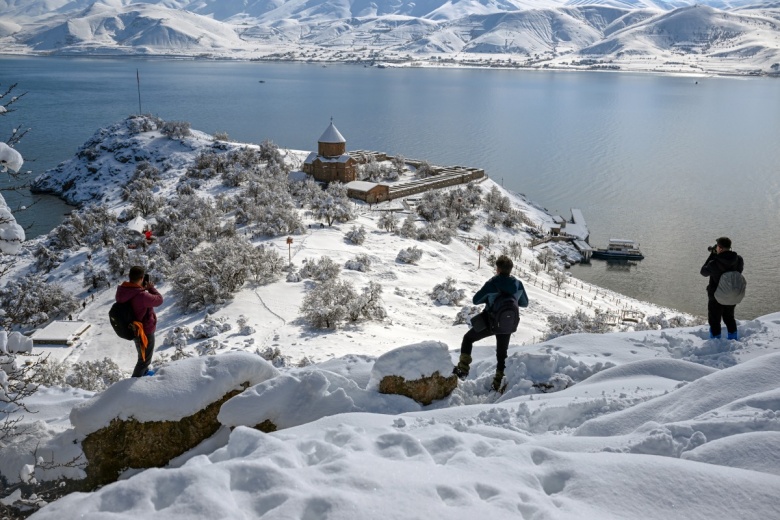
<point x="716" y="312"/>
<point x="142" y="367"/>
<point x="502" y="345"/>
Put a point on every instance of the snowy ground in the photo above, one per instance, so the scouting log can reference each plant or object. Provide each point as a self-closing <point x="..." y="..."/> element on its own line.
<point x="659" y="423"/>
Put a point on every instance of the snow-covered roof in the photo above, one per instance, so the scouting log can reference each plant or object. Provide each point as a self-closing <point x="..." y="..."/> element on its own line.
<point x="360" y="185"/>
<point x="138" y="224"/>
<point x="61" y="332"/>
<point x="310" y="158"/>
<point x="332" y="135"/>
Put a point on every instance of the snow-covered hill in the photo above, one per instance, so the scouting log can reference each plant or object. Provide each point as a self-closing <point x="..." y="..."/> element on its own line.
<point x="719" y="37"/>
<point x="652" y="422"/>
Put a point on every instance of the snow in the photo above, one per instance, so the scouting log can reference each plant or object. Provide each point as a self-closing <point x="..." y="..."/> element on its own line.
<point x="642" y="424"/>
<point x="196" y="383"/>
<point x="10" y="158"/>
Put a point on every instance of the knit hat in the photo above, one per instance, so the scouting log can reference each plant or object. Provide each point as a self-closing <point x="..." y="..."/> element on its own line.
<point x="724" y="242"/>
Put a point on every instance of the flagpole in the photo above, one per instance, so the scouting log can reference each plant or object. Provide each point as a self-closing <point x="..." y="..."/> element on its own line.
<point x="138" y="80"/>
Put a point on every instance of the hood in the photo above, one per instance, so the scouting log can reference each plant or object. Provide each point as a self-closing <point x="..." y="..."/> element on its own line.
<point x="126" y="291"/>
<point x="505" y="283"/>
<point x="729" y="260"/>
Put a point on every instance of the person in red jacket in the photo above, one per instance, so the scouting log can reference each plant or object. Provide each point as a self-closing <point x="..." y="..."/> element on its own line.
<point x="140" y="291"/>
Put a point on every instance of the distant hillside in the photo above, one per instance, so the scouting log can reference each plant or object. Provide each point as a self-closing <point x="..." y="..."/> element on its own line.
<point x="711" y="37"/>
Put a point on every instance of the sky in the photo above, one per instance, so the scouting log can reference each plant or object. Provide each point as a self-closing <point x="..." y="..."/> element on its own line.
<point x="662" y="423"/>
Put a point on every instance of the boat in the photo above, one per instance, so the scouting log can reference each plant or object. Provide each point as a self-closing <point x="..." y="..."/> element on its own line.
<point x="619" y="249"/>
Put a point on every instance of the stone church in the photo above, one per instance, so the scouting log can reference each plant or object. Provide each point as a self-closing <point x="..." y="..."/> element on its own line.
<point x="331" y="162"/>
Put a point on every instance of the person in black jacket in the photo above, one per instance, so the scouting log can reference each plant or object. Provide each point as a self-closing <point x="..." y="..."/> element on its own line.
<point x="721" y="260"/>
<point x="502" y="282"/>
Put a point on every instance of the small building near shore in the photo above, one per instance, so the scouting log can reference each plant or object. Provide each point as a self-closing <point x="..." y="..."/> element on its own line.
<point x="60" y="332"/>
<point x="331" y="162"/>
<point x="370" y="192"/>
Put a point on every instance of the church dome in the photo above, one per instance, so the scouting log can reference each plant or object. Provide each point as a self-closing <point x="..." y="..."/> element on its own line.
<point x="332" y="135"/>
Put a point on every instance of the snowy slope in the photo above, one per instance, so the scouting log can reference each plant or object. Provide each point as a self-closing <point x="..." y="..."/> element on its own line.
<point x="719" y="37"/>
<point x="654" y="424"/>
<point x="135" y="29"/>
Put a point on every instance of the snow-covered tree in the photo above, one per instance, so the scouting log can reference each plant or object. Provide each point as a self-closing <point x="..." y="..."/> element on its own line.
<point x="360" y="263"/>
<point x="546" y="257"/>
<point x="96" y="375"/>
<point x="368" y="304"/>
<point x="424" y="170"/>
<point x="356" y="235"/>
<point x="333" y="205"/>
<point x="265" y="264"/>
<point x="561" y="325"/>
<point x="410" y="255"/>
<point x="388" y="221"/>
<point x="408" y="228"/>
<point x="327" y="304"/>
<point x="176" y="129"/>
<point x="320" y="270"/>
<point x="559" y="278"/>
<point x="29" y="301"/>
<point x="213" y="273"/>
<point x="446" y="293"/>
<point x="46" y="259"/>
<point x="372" y="170"/>
<point x="399" y="165"/>
<point x="11" y="233"/>
<point x="513" y="250"/>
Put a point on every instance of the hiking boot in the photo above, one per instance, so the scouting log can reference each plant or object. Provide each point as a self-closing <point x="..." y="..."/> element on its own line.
<point x="497" y="380"/>
<point x="714" y="336"/>
<point x="149" y="372"/>
<point x="733" y="335"/>
<point x="462" y="368"/>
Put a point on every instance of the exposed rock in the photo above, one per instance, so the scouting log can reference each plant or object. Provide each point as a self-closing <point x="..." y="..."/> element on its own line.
<point x="266" y="426"/>
<point x="424" y="390"/>
<point x="127" y="444"/>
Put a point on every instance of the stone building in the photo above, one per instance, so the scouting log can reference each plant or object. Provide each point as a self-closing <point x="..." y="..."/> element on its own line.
<point x="331" y="162"/>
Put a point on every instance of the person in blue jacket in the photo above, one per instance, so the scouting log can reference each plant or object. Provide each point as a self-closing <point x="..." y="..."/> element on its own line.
<point x="503" y="281"/>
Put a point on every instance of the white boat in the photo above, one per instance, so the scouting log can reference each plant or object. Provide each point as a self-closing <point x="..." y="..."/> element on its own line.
<point x="619" y="249"/>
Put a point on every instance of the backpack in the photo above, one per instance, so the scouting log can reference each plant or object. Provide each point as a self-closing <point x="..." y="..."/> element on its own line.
<point x="121" y="316"/>
<point x="504" y="314"/>
<point x="731" y="288"/>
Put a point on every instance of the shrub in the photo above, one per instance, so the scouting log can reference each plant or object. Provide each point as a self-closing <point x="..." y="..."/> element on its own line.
<point x="212" y="274"/>
<point x="95" y="376"/>
<point x="31" y="301"/>
<point x="446" y="293"/>
<point x="356" y="235"/>
<point x="176" y="129"/>
<point x="562" y="325"/>
<point x="360" y="263"/>
<point x="326" y="305"/>
<point x="410" y="255"/>
<point x="320" y="270"/>
<point x="388" y="221"/>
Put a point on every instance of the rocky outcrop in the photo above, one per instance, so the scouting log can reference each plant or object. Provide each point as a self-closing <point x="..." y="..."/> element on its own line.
<point x="145" y="422"/>
<point x="424" y="390"/>
<point x="125" y="444"/>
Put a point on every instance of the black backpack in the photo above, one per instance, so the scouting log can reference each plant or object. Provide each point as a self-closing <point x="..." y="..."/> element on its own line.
<point x="121" y="317"/>
<point x="504" y="314"/>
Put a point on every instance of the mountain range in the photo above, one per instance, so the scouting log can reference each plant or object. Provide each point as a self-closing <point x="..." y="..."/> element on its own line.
<point x="726" y="37"/>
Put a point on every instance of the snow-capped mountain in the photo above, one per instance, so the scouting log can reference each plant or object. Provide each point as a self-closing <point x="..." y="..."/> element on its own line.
<point x="715" y="36"/>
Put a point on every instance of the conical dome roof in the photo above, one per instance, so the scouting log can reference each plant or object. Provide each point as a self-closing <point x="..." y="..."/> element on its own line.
<point x="332" y="135"/>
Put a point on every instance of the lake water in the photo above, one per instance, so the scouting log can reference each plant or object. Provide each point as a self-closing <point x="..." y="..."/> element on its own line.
<point x="672" y="162"/>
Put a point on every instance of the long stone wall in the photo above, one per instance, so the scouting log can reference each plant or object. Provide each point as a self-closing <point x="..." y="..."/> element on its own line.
<point x="448" y="177"/>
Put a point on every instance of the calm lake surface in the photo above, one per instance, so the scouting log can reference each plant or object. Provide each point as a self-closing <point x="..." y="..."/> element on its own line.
<point x="672" y="162"/>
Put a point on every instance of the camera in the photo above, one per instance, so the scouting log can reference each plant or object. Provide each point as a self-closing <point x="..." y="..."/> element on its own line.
<point x="712" y="249"/>
<point x="147" y="279"/>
